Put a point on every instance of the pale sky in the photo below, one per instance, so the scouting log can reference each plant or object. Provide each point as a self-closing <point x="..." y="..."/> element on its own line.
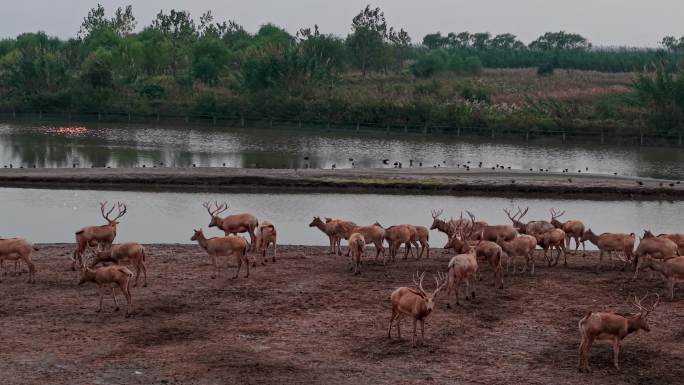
<point x="603" y="22"/>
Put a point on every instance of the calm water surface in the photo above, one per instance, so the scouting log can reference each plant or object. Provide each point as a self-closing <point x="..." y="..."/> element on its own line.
<point x="119" y="145"/>
<point x="153" y="217"/>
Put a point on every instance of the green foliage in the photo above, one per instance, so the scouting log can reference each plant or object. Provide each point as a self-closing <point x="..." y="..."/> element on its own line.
<point x="663" y="93"/>
<point x="560" y="41"/>
<point x="545" y="69"/>
<point x="429" y="64"/>
<point x="474" y="93"/>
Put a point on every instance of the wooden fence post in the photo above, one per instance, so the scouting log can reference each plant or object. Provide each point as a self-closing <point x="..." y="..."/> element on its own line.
<point x="563" y="136"/>
<point x="242" y="121"/>
<point x="99" y="116"/>
<point x="358" y="125"/>
<point x="603" y="139"/>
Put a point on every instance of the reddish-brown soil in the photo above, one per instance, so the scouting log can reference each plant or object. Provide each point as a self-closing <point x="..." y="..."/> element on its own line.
<point x="305" y="319"/>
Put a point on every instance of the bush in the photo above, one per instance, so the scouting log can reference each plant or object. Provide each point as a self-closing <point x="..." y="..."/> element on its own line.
<point x="545" y="69"/>
<point x="474" y="93"/>
<point x="429" y="64"/>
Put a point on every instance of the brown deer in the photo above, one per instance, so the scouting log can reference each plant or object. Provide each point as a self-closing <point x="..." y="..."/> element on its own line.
<point x="328" y="228"/>
<point x="521" y="246"/>
<point x="677" y="238"/>
<point x="232" y="224"/>
<point x="492" y="233"/>
<point x="132" y="253"/>
<point x="415" y="303"/>
<point x="656" y="247"/>
<point x="227" y="246"/>
<point x="462" y="268"/>
<point x="446" y="227"/>
<point x="610" y="326"/>
<point x="529" y="228"/>
<point x="672" y="270"/>
<point x="421" y="235"/>
<point x="553" y="239"/>
<point x="492" y="253"/>
<point x="104" y="277"/>
<point x="100" y="236"/>
<point x="15" y="249"/>
<point x="357" y="246"/>
<point x="374" y="234"/>
<point x="266" y="235"/>
<point x="396" y="236"/>
<point x="609" y="243"/>
<point x="573" y="230"/>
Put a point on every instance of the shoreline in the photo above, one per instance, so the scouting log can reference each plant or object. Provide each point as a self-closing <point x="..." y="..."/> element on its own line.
<point x="424" y="181"/>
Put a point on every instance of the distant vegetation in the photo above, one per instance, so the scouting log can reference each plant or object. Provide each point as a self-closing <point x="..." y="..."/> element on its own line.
<point x="180" y="65"/>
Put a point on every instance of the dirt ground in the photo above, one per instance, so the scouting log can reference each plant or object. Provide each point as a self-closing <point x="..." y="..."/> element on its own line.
<point x="306" y="319"/>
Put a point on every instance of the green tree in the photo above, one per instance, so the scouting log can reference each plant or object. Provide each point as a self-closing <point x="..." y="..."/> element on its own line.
<point x="560" y="41"/>
<point x="367" y="40"/>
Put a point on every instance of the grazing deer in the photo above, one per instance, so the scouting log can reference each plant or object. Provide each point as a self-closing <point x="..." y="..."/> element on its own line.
<point x="415" y="303"/>
<point x="357" y="245"/>
<point x="529" y="228"/>
<point x="611" y="327"/>
<point x="553" y="239"/>
<point x="492" y="253"/>
<point x="227" y="246"/>
<point x="672" y="270"/>
<point x="100" y="236"/>
<point x="374" y="234"/>
<point x="15" y="249"/>
<point x="655" y="247"/>
<point x="265" y="235"/>
<point x="107" y="276"/>
<point x="328" y="228"/>
<point x="232" y="224"/>
<point x="573" y="230"/>
<point x="611" y="242"/>
<point x="521" y="246"/>
<point x="131" y="252"/>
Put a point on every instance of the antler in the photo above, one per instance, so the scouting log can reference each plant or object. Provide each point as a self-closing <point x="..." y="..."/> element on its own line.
<point x="523" y="213"/>
<point x="642" y="308"/>
<point x="512" y="217"/>
<point x="556" y="214"/>
<point x="440" y="282"/>
<point x="121" y="208"/>
<point x="218" y="208"/>
<point x="103" y="206"/>
<point x="436" y="213"/>
<point x="419" y="283"/>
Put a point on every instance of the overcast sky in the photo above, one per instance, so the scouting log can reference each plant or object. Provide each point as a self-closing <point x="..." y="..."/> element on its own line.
<point x="603" y="22"/>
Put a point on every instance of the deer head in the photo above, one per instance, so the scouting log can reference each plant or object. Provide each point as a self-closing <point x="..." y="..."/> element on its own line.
<point x="641" y="319"/>
<point x="198" y="235"/>
<point x="554" y="218"/>
<point x="516" y="219"/>
<point x="648" y="234"/>
<point x="214" y="210"/>
<point x="316" y="222"/>
<point x="440" y="282"/>
<point x="435" y="218"/>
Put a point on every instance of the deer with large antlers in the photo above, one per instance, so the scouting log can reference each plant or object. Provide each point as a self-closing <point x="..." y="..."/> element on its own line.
<point x="15" y="249"/>
<point x="610" y="326"/>
<point x="227" y="246"/>
<point x="416" y="303"/>
<point x="98" y="236"/>
<point x="232" y="224"/>
<point x="609" y="243"/>
<point x="529" y="228"/>
<point x="573" y="230"/>
<point x="447" y="227"/>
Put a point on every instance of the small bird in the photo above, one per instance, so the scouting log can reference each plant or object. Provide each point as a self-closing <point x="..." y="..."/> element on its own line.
<point x="531" y="170"/>
<point x="509" y="167"/>
<point x="671" y="184"/>
<point x="334" y="166"/>
<point x="224" y="165"/>
<point x="351" y="159"/>
<point x="385" y="161"/>
<point x="640" y="183"/>
<point x="193" y="165"/>
<point x="143" y="166"/>
<point x="493" y="168"/>
<point x="306" y="158"/>
<point x="614" y="173"/>
<point x="570" y="180"/>
<point x="660" y="184"/>
<point x="586" y="168"/>
<point x="513" y="181"/>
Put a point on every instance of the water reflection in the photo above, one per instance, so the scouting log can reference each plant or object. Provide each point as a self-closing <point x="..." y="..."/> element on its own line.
<point x="120" y="145"/>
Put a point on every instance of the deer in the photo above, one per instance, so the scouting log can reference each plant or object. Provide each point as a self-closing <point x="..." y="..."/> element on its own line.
<point x="232" y="224"/>
<point x="677" y="238"/>
<point x="227" y="246"/>
<point x="106" y="276"/>
<point x="446" y="227"/>
<point x="357" y="246"/>
<point x="396" y="236"/>
<point x="611" y="242"/>
<point x="553" y="239"/>
<point x="100" y="236"/>
<point x="421" y="235"/>
<point x="529" y="228"/>
<point x="462" y="268"/>
<point x="16" y="249"/>
<point x="521" y="246"/>
<point x="131" y="252"/>
<point x="265" y="235"/>
<point x="492" y="253"/>
<point x="494" y="232"/>
<point x="611" y="326"/>
<point x="374" y="234"/>
<point x="573" y="230"/>
<point x="672" y="270"/>
<point x="655" y="247"/>
<point x="416" y="303"/>
<point x="328" y="228"/>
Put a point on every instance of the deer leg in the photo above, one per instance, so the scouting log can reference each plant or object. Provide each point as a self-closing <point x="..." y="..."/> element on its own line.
<point x="616" y="353"/>
<point x="531" y="259"/>
<point x="415" y="246"/>
<point x="415" y="322"/>
<point x="392" y="317"/>
<point x="398" y="321"/>
<point x="239" y="265"/>
<point x="144" y="269"/>
<point x="137" y="274"/>
<point x="422" y="331"/>
<point x="275" y="250"/>
<point x="32" y="270"/>
<point x="116" y="302"/>
<point x="598" y="267"/>
<point x="583" y="362"/>
<point x="100" y="292"/>
<point x="214" y="274"/>
<point x="407" y="248"/>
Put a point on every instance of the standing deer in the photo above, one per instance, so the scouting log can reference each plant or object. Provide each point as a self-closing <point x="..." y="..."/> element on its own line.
<point x="529" y="228"/>
<point x="328" y="229"/>
<point x="357" y="245"/>
<point x="677" y="238"/>
<point x="521" y="246"/>
<point x="573" y="230"/>
<point x="396" y="236"/>
<point x="104" y="277"/>
<point x="492" y="233"/>
<point x="492" y="253"/>
<point x="100" y="236"/>
<point x="227" y="246"/>
<point x="611" y="327"/>
<point x="131" y="252"/>
<point x="656" y="247"/>
<point x="265" y="235"/>
<point x="415" y="303"/>
<point x="15" y="249"/>
<point x="232" y="224"/>
<point x="462" y="268"/>
<point x="446" y="227"/>
<point x="420" y="235"/>
<point x="611" y="242"/>
<point x="374" y="234"/>
<point x="553" y="239"/>
<point x="672" y="270"/>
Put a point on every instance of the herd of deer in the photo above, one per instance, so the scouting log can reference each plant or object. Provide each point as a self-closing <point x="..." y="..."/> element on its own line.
<point x="470" y="239"/>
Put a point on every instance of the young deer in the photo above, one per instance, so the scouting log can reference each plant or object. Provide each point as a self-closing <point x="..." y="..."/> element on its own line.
<point x="132" y="253"/>
<point x="223" y="247"/>
<point x="611" y="327"/>
<point x="357" y="245"/>
<point x="521" y="246"/>
<point x="415" y="303"/>
<point x="107" y="276"/>
<point x="374" y="234"/>
<point x="573" y="230"/>
<point x="100" y="236"/>
<point x="265" y="235"/>
<point x="232" y="224"/>
<point x="672" y="270"/>
<point x="15" y="249"/>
